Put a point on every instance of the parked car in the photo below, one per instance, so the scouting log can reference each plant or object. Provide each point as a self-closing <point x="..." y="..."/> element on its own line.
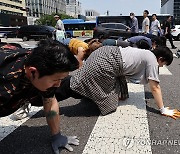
<point x="176" y="32"/>
<point x="112" y="30"/>
<point x="11" y="34"/>
<point x="35" y="32"/>
<point x="8" y="32"/>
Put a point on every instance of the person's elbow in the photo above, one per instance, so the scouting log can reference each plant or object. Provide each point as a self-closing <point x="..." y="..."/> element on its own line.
<point x="154" y="86"/>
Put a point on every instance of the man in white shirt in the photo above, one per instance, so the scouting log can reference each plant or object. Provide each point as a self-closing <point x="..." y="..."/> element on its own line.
<point x="146" y="22"/>
<point x="59" y="23"/>
<point x="60" y="30"/>
<point x="155" y="25"/>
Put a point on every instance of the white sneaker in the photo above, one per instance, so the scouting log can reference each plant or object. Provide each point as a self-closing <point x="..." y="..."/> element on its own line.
<point x="175" y="56"/>
<point x="22" y="112"/>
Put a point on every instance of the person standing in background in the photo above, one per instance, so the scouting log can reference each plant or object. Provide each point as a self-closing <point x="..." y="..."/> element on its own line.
<point x="59" y="23"/>
<point x="134" y="23"/>
<point x="167" y="31"/>
<point x="155" y="26"/>
<point x="60" y="30"/>
<point x="145" y="23"/>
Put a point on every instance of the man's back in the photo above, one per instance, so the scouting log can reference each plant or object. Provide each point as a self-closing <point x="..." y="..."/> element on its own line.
<point x="11" y="74"/>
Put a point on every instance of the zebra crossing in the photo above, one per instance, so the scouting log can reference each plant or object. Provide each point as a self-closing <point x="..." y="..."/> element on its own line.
<point x="125" y="131"/>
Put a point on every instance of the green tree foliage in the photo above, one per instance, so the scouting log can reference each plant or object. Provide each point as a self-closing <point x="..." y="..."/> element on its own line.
<point x="49" y="19"/>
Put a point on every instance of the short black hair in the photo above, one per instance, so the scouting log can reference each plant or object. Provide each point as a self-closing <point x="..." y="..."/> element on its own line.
<point x="168" y="17"/>
<point x="88" y="40"/>
<point x="143" y="44"/>
<point x="52" y="57"/>
<point x="154" y="15"/>
<point x="159" y="40"/>
<point x="146" y="11"/>
<point x="165" y="53"/>
<point x="131" y="14"/>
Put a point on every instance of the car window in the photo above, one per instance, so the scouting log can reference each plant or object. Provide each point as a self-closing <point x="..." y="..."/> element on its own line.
<point x="120" y="26"/>
<point x="29" y="28"/>
<point x="35" y="28"/>
<point x="50" y="28"/>
<point x="24" y="28"/>
<point x="42" y="29"/>
<point x="108" y="26"/>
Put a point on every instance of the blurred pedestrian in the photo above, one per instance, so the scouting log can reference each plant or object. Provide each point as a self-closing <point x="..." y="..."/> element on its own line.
<point x="60" y="30"/>
<point x="167" y="31"/>
<point x="155" y="26"/>
<point x="59" y="23"/>
<point x="134" y="23"/>
<point x="145" y="23"/>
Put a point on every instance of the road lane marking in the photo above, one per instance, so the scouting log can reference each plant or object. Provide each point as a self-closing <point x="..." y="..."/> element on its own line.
<point x="164" y="71"/>
<point x="7" y="125"/>
<point x="125" y="131"/>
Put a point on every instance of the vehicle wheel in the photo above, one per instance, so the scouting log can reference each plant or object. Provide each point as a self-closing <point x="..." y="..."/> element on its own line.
<point x="25" y="38"/>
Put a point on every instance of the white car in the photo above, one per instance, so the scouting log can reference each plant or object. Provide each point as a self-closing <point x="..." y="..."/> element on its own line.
<point x="176" y="32"/>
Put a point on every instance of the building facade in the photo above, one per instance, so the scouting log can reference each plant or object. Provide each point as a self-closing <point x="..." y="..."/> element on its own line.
<point x="38" y="8"/>
<point x="73" y="8"/>
<point x="171" y="7"/>
<point x="91" y="14"/>
<point x="12" y="13"/>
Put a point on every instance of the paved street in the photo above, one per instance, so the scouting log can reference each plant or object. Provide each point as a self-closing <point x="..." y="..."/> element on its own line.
<point x="135" y="128"/>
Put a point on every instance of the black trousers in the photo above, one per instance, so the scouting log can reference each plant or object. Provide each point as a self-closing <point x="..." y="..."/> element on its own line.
<point x="64" y="91"/>
<point x="169" y="37"/>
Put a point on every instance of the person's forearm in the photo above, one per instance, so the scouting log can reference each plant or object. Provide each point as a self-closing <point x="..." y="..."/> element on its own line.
<point x="147" y="28"/>
<point x="80" y="56"/>
<point x="51" y="109"/>
<point x="160" y="30"/>
<point x="166" y="30"/>
<point x="80" y="62"/>
<point x="156" y="91"/>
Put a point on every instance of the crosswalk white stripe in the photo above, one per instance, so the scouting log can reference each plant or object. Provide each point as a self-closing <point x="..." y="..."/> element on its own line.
<point x="124" y="131"/>
<point x="8" y="125"/>
<point x="164" y="71"/>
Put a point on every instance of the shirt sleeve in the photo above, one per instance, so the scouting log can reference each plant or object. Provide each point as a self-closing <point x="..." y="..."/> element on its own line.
<point x="158" y="23"/>
<point x="152" y="73"/>
<point x="59" y="25"/>
<point x="147" y="22"/>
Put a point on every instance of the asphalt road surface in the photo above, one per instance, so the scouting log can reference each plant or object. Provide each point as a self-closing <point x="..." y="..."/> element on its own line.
<point x="136" y="127"/>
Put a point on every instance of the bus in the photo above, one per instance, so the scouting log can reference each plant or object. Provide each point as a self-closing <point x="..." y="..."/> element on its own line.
<point x="8" y="31"/>
<point x="127" y="21"/>
<point x="79" y="27"/>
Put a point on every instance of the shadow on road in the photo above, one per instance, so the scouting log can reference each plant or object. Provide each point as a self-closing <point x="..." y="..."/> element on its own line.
<point x="85" y="108"/>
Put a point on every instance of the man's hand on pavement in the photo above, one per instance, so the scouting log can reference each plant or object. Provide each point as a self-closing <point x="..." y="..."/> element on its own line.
<point x="60" y="141"/>
<point x="170" y="113"/>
